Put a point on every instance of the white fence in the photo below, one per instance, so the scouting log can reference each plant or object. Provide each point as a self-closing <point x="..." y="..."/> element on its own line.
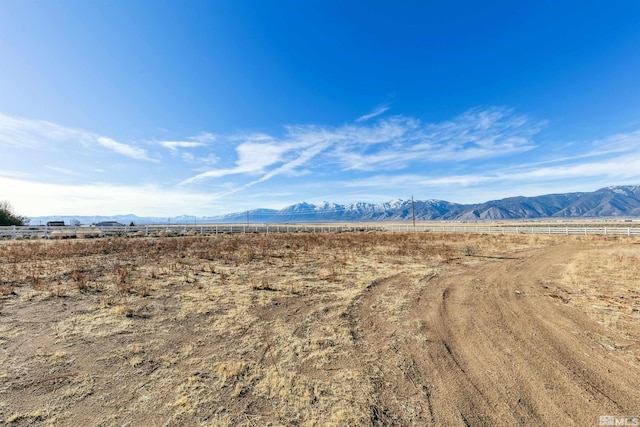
<point x="522" y="229"/>
<point x="35" y="232"/>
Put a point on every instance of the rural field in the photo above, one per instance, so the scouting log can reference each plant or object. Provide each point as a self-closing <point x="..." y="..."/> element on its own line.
<point x="320" y="329"/>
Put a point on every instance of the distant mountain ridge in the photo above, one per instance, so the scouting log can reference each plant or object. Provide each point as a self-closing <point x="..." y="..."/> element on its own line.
<point x="614" y="201"/>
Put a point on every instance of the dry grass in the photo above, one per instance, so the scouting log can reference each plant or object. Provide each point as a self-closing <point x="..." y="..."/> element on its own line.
<point x="223" y="330"/>
<point x="605" y="282"/>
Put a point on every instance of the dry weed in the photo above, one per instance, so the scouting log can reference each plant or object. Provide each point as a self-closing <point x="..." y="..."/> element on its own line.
<point x="246" y="329"/>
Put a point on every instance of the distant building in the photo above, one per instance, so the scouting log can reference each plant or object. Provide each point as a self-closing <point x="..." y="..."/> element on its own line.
<point x="55" y="224"/>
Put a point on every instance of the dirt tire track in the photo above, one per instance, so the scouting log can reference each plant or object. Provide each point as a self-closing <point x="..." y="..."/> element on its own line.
<point x="487" y="345"/>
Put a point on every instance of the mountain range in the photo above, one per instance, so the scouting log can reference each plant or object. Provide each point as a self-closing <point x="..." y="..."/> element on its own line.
<point x="615" y="201"/>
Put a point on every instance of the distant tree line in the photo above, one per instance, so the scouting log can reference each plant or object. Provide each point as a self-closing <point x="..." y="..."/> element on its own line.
<point x="9" y="217"/>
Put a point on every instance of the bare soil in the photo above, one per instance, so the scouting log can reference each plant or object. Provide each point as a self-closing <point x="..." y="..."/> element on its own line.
<point x="320" y="329"/>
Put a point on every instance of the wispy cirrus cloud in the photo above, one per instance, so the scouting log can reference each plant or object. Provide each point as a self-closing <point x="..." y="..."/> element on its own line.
<point x="617" y="143"/>
<point x="63" y="171"/>
<point x="391" y="143"/>
<point x="255" y="154"/>
<point x="187" y="149"/>
<point x="124" y="149"/>
<point x="375" y="113"/>
<point x="200" y="140"/>
<point x="616" y="168"/>
<point x="472" y="154"/>
<point x="476" y="134"/>
<point x="175" y="145"/>
<point x="28" y="133"/>
<point x="203" y="137"/>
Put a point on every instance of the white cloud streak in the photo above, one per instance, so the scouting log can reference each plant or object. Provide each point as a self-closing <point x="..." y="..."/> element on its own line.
<point x="124" y="149"/>
<point x="203" y="137"/>
<point x="27" y="133"/>
<point x="390" y="154"/>
<point x="175" y="145"/>
<point x="392" y="143"/>
<point x="200" y="140"/>
<point x="375" y="113"/>
<point x="617" y="143"/>
<point x="622" y="167"/>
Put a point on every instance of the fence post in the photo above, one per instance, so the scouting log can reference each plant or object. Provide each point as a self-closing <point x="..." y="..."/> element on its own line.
<point x="13" y="232"/>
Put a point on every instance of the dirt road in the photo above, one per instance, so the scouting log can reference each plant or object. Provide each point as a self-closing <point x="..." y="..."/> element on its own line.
<point x="490" y="345"/>
<point x="320" y="330"/>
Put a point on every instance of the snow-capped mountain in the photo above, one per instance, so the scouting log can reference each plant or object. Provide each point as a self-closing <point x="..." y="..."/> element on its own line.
<point x="615" y="201"/>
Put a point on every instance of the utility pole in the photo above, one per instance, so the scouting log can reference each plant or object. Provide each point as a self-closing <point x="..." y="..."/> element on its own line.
<point x="413" y="213"/>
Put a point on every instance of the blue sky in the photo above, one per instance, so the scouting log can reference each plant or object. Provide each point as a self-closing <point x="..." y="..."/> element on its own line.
<point x="208" y="107"/>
